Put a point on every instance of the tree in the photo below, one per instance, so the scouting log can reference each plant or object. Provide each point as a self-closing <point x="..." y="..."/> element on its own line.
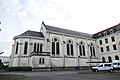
<point x="1" y="63"/>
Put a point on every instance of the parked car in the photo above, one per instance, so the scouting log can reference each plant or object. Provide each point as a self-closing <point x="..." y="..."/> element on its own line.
<point x="103" y="67"/>
<point x="116" y="64"/>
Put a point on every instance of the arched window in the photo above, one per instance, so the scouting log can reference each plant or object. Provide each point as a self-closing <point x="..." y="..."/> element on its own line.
<point x="82" y="49"/>
<point x="37" y="47"/>
<point x="92" y="50"/>
<point x="34" y="47"/>
<point x="55" y="46"/>
<point x="70" y="48"/>
<point x="41" y="61"/>
<point x="17" y="48"/>
<point x="116" y="57"/>
<point x="25" y="47"/>
<point x="103" y="59"/>
<point x="109" y="59"/>
<point x="40" y="47"/>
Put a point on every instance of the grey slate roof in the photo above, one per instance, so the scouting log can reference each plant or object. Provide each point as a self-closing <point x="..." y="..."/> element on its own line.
<point x="71" y="32"/>
<point x="32" y="33"/>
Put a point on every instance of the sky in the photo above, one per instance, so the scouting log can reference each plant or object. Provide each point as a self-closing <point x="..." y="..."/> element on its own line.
<point x="88" y="16"/>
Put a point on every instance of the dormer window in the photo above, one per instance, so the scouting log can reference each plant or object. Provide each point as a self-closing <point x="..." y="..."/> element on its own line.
<point x="105" y="34"/>
<point x="111" y="31"/>
<point x="108" y="32"/>
<point x="100" y="35"/>
<point x="114" y="30"/>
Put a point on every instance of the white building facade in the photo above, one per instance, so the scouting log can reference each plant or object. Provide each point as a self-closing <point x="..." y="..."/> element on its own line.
<point x="5" y="60"/>
<point x="58" y="47"/>
<point x="108" y="42"/>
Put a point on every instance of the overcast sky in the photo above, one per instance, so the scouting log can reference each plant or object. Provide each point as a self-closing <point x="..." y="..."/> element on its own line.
<point x="88" y="16"/>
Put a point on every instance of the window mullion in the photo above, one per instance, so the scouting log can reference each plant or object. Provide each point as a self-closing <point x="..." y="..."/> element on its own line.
<point x="55" y="48"/>
<point x="70" y="49"/>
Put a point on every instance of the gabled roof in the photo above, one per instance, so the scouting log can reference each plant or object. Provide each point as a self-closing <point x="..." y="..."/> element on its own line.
<point x="66" y="31"/>
<point x="32" y="33"/>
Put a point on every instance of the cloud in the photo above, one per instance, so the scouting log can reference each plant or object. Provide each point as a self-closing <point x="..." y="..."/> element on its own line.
<point x="18" y="16"/>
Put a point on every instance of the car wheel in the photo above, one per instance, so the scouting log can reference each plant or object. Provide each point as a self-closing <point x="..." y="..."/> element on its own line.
<point x="96" y="70"/>
<point x="111" y="70"/>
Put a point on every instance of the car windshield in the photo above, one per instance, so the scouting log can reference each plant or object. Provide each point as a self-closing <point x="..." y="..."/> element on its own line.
<point x="115" y="64"/>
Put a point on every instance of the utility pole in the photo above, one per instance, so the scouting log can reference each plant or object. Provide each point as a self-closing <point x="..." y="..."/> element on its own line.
<point x="0" y="30"/>
<point x="1" y="52"/>
<point x="0" y="23"/>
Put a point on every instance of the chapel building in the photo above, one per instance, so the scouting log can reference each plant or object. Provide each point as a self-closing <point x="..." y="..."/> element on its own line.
<point x="58" y="47"/>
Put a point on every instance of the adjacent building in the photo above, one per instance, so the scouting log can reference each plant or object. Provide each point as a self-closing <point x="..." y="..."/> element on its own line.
<point x="108" y="42"/>
<point x="5" y="60"/>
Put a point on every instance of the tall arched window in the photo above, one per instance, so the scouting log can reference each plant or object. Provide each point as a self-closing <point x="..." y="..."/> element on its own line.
<point x="43" y="60"/>
<point x="103" y="59"/>
<point x="116" y="57"/>
<point x="70" y="48"/>
<point x="34" y="47"/>
<point x="82" y="49"/>
<point x="37" y="47"/>
<point x="16" y="51"/>
<point x="55" y="46"/>
<point x="92" y="50"/>
<point x="40" y="60"/>
<point x="25" y="47"/>
<point x="109" y="59"/>
<point x="40" y="47"/>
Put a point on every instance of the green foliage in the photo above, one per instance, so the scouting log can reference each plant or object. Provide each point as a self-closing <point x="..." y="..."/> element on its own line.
<point x="3" y="67"/>
<point x="1" y="64"/>
<point x="19" y="68"/>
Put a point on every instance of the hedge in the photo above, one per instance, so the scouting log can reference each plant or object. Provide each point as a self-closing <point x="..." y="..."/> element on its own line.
<point x="3" y="67"/>
<point x="19" y="68"/>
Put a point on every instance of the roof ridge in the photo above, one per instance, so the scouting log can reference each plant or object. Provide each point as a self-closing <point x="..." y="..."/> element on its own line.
<point x="67" y="29"/>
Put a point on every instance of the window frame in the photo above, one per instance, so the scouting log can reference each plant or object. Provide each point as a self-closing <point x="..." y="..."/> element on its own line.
<point x="100" y="42"/>
<point x="114" y="47"/>
<point x="107" y="48"/>
<point x="70" y="48"/>
<point x="106" y="40"/>
<point x="55" y="46"/>
<point x="113" y="38"/>
<point x="102" y="49"/>
<point x="82" y="49"/>
<point x="25" y="48"/>
<point x="17" y="47"/>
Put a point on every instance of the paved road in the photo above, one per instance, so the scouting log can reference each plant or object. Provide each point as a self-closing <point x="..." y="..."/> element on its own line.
<point x="60" y="75"/>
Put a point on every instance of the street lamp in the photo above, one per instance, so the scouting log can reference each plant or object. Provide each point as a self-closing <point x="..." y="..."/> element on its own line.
<point x="0" y="23"/>
<point x="1" y="52"/>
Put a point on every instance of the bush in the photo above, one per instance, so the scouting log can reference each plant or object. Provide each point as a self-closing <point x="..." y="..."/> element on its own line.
<point x="3" y="67"/>
<point x="19" y="68"/>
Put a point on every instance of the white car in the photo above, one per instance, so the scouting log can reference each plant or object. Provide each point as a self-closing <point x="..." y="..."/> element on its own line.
<point x="116" y="64"/>
<point x="103" y="67"/>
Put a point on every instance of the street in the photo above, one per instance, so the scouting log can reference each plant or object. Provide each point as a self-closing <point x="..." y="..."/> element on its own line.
<point x="60" y="75"/>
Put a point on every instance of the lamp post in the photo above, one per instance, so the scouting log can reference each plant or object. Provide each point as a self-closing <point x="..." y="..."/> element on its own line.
<point x="1" y="60"/>
<point x="89" y="57"/>
<point x="0" y="23"/>
<point x="90" y="62"/>
<point x="1" y="52"/>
